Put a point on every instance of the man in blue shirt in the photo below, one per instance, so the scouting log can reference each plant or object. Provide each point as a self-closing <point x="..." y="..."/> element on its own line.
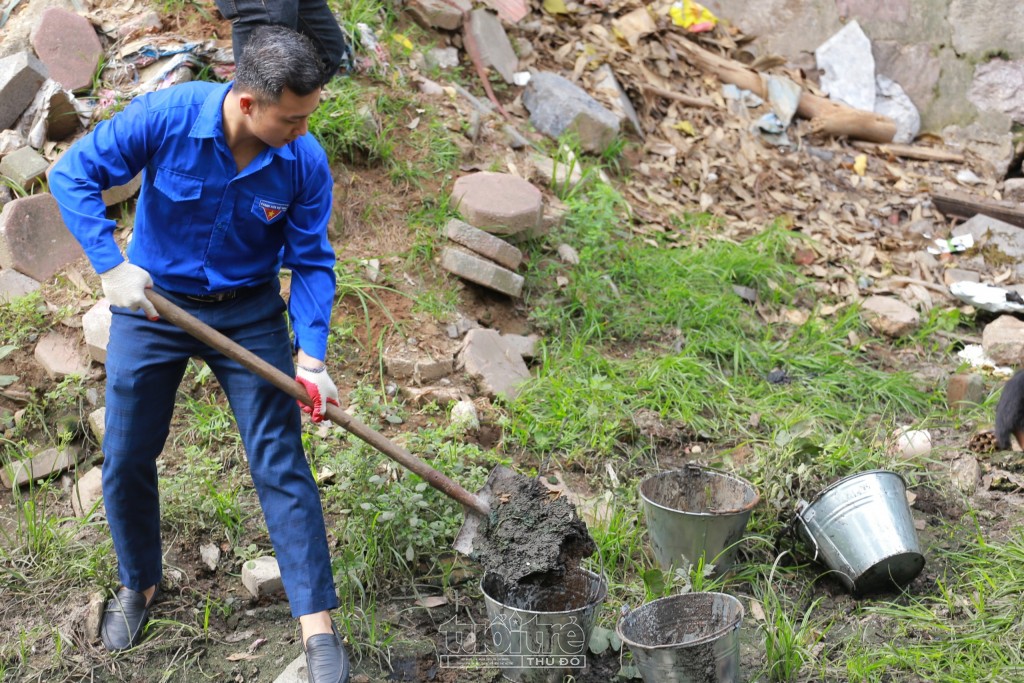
<point x="233" y="189"/>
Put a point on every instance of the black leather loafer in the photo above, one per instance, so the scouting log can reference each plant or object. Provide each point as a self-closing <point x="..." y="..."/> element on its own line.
<point x="124" y="619"/>
<point x="326" y="660"/>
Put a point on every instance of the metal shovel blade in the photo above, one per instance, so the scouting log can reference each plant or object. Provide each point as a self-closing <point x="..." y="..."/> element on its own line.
<point x="468" y="534"/>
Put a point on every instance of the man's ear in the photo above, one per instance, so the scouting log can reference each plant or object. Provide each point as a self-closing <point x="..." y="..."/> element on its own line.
<point x="246" y="104"/>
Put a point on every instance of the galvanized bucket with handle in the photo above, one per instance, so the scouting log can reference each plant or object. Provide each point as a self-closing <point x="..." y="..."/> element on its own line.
<point x="862" y="529"/>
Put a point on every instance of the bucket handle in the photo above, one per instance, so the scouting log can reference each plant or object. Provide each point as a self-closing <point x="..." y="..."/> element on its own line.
<point x="801" y="506"/>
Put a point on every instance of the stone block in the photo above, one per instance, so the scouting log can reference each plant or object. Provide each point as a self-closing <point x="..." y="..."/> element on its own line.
<point x="25" y="167"/>
<point x="1003" y="341"/>
<point x="555" y="174"/>
<point x="21" y="76"/>
<point x="60" y="357"/>
<point x="965" y="390"/>
<point x="10" y="141"/>
<point x="441" y="58"/>
<point x="148" y="22"/>
<point x="93" y="618"/>
<point x="498" y="203"/>
<point x="1004" y="237"/>
<point x="499" y="371"/>
<point x="558" y="106"/>
<point x="952" y="275"/>
<point x="607" y="85"/>
<point x="96" y="325"/>
<point x="33" y="238"/>
<point x="98" y="424"/>
<point x="69" y="47"/>
<point x="889" y="316"/>
<point x="87" y="492"/>
<point x="14" y="285"/>
<point x="483" y="243"/>
<point x="399" y="363"/>
<point x="39" y="466"/>
<point x="438" y="13"/>
<point x="430" y="369"/>
<point x="495" y="48"/>
<point x="262" y="577"/>
<point x="481" y="271"/>
<point x="524" y="346"/>
<point x="122" y="193"/>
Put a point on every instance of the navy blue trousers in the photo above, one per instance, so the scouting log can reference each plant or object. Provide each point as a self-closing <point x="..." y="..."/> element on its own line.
<point x="312" y="18"/>
<point x="145" y="364"/>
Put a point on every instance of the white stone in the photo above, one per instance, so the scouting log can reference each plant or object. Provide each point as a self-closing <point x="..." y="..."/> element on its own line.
<point x="98" y="424"/>
<point x="96" y="324"/>
<point x="848" y="67"/>
<point x="210" y="554"/>
<point x="912" y="443"/>
<point x="464" y="415"/>
<point x="262" y="576"/>
<point x="87" y="492"/>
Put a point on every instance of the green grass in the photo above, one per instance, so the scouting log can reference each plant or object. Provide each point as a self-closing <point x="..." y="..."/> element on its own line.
<point x="686" y="345"/>
<point x="23" y="320"/>
<point x="965" y="628"/>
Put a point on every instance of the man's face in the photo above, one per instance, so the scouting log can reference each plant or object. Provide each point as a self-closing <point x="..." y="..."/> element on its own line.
<point x="281" y="122"/>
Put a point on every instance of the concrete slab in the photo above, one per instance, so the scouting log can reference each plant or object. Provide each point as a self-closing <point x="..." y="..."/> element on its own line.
<point x="481" y="271"/>
<point x="21" y="76"/>
<point x="33" y="238"/>
<point x="68" y="45"/>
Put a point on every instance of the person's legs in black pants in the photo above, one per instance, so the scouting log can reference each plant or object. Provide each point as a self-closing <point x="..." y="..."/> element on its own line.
<point x="312" y="18"/>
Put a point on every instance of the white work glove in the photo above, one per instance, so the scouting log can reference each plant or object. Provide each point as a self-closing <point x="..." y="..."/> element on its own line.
<point x="320" y="387"/>
<point x="125" y="285"/>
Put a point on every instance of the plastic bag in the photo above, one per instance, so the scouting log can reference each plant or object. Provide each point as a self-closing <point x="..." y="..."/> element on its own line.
<point x="692" y="16"/>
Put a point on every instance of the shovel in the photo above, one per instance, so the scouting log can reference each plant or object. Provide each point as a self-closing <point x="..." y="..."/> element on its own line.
<point x="477" y="505"/>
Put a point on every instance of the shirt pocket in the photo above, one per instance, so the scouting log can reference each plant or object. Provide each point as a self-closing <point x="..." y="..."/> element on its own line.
<point x="178" y="187"/>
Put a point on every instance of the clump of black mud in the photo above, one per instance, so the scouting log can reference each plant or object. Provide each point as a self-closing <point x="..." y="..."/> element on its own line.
<point x="532" y="542"/>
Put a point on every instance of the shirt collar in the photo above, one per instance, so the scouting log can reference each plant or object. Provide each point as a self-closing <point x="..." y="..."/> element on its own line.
<point x="210" y="122"/>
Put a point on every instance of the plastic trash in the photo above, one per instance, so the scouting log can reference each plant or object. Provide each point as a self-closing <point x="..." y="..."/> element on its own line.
<point x="692" y="16"/>
<point x="953" y="244"/>
<point x="987" y="297"/>
<point x="975" y="356"/>
<point x="783" y="97"/>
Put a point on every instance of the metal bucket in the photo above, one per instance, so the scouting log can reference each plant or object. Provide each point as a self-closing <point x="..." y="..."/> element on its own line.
<point x="690" y="638"/>
<point x="862" y="529"/>
<point x="694" y="512"/>
<point x="540" y="635"/>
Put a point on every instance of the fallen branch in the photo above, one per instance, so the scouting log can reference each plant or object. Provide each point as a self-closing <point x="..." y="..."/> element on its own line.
<point x="678" y="97"/>
<point x="965" y="206"/>
<point x="903" y="281"/>
<point x="911" y="152"/>
<point x="827" y="117"/>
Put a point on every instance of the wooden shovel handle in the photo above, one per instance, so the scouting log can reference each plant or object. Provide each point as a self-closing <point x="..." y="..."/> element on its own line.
<point x="335" y="414"/>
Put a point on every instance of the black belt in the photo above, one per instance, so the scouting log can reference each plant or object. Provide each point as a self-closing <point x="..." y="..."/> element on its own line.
<point x="218" y="297"/>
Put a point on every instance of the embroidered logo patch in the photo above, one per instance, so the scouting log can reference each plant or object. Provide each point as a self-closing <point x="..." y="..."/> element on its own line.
<point x="267" y="209"/>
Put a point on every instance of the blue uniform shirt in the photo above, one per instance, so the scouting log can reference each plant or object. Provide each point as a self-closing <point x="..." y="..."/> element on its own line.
<point x="202" y="226"/>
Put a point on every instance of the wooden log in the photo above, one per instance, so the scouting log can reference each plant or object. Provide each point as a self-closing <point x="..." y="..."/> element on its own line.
<point x="827" y="117"/>
<point x="911" y="151"/>
<point x="965" y="206"/>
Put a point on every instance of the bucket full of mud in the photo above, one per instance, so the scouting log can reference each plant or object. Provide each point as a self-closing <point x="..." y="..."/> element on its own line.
<point x="689" y="638"/>
<point x="539" y="633"/>
<point x="862" y="529"/>
<point x="696" y="512"/>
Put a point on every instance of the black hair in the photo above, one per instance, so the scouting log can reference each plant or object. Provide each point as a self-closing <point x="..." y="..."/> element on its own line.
<point x="275" y="58"/>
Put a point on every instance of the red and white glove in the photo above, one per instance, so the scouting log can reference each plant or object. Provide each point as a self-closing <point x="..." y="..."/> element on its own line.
<point x="320" y="387"/>
<point x="125" y="285"/>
